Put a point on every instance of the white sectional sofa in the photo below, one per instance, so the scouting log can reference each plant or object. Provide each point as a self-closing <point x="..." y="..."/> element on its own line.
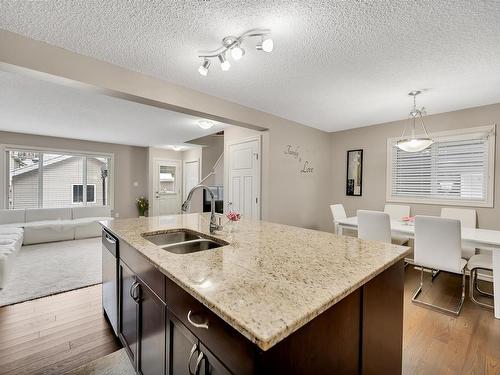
<point x="39" y="225"/>
<point x="11" y="240"/>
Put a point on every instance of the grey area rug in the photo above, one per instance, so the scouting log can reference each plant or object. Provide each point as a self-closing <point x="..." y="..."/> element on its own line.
<point x="50" y="268"/>
<point x="116" y="363"/>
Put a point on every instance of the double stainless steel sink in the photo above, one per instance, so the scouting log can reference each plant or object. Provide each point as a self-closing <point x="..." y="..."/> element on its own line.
<point x="183" y="241"/>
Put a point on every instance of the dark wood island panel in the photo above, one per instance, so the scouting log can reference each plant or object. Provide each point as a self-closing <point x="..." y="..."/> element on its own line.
<point x="362" y="333"/>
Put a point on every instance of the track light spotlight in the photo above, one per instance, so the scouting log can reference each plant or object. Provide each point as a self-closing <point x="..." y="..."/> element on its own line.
<point x="203" y="69"/>
<point x="265" y="45"/>
<point x="224" y="64"/>
<point x="237" y="52"/>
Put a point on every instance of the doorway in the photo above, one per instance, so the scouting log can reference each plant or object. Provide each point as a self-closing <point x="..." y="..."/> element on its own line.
<point x="191" y="175"/>
<point x="167" y="193"/>
<point x="243" y="171"/>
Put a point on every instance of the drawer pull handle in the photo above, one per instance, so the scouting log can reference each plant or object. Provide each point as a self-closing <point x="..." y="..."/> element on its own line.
<point x="197" y="325"/>
<point x="110" y="239"/>
<point x="198" y="363"/>
<point x="194" y="349"/>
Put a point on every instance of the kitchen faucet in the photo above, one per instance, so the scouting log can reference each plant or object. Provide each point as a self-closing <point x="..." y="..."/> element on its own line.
<point x="185" y="206"/>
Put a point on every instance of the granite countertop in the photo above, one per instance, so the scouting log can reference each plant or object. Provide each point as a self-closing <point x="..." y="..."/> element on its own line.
<point x="271" y="279"/>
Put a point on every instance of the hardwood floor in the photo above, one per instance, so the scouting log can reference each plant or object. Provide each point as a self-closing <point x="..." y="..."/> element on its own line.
<point x="55" y="334"/>
<point x="434" y="343"/>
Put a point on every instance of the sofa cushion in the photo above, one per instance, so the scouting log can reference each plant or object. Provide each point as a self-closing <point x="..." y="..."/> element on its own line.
<point x="12" y="216"/>
<point x="10" y="230"/>
<point x="6" y="239"/>
<point x="44" y="214"/>
<point x="13" y="225"/>
<point x="97" y="211"/>
<point x="88" y="227"/>
<point x="49" y="231"/>
<point x="7" y="245"/>
<point x="50" y="224"/>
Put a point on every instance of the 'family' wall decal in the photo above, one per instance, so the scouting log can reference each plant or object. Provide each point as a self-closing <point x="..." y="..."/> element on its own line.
<point x="293" y="152"/>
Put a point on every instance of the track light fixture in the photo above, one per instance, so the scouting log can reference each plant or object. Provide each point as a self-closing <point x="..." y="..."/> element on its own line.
<point x="224" y="64"/>
<point x="233" y="44"/>
<point x="203" y="69"/>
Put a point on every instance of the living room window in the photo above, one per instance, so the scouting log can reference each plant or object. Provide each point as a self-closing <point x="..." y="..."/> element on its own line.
<point x="458" y="169"/>
<point x="50" y="178"/>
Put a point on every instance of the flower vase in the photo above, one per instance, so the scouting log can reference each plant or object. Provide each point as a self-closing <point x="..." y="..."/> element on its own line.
<point x="233" y="226"/>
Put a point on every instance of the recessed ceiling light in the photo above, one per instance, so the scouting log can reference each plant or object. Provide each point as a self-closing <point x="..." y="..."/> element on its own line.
<point x="176" y="148"/>
<point x="205" y="124"/>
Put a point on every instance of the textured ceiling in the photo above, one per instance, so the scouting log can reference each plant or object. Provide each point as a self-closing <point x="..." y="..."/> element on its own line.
<point x="33" y="106"/>
<point x="336" y="64"/>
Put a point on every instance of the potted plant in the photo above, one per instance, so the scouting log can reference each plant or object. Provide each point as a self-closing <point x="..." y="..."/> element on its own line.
<point x="142" y="206"/>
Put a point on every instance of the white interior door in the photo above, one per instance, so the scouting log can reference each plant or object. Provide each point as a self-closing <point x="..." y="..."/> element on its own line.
<point x="191" y="175"/>
<point x="243" y="193"/>
<point x="167" y="187"/>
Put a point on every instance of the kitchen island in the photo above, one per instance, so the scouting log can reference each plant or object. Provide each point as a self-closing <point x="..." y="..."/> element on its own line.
<point x="271" y="299"/>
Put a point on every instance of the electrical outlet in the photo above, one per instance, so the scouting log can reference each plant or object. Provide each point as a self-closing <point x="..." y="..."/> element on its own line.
<point x="117" y="215"/>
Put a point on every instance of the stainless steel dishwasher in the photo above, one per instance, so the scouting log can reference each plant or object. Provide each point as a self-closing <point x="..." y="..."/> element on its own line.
<point x="110" y="278"/>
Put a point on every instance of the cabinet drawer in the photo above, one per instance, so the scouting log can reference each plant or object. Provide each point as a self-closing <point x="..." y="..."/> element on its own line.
<point x="153" y="277"/>
<point x="229" y="346"/>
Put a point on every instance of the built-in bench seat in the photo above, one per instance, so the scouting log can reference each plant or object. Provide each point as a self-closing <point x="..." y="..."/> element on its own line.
<point x="39" y="225"/>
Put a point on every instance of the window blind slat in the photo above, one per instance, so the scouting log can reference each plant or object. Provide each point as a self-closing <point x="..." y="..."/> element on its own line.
<point x="454" y="170"/>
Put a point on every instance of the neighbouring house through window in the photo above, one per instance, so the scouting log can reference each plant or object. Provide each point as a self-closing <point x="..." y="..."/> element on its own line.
<point x="458" y="169"/>
<point x="50" y="179"/>
<point x="78" y="193"/>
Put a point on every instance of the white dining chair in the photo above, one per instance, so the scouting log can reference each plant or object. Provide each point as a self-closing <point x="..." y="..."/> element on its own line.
<point x="396" y="212"/>
<point x="468" y="219"/>
<point x="438" y="247"/>
<point x="338" y="213"/>
<point x="483" y="262"/>
<point x="374" y="225"/>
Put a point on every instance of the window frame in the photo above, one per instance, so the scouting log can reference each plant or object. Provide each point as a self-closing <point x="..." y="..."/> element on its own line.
<point x="466" y="133"/>
<point x="4" y="169"/>
<point x="87" y="192"/>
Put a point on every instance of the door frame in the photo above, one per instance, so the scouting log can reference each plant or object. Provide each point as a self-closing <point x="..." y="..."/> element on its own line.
<point x="184" y="162"/>
<point x="152" y="192"/>
<point x="227" y="159"/>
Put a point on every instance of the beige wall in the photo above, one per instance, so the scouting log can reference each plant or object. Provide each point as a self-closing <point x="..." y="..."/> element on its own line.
<point x="288" y="196"/>
<point x="130" y="164"/>
<point x="373" y="141"/>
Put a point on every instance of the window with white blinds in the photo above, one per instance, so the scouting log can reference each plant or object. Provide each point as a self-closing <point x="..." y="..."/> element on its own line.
<point x="457" y="169"/>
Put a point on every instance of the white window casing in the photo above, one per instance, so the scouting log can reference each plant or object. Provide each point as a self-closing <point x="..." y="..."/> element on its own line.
<point x="458" y="169"/>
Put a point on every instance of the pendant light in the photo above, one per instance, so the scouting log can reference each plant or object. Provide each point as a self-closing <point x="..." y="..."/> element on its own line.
<point x="414" y="143"/>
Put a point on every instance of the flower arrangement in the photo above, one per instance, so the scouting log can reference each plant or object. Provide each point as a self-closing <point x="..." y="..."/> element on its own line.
<point x="408" y="220"/>
<point x="233" y="216"/>
<point x="142" y="205"/>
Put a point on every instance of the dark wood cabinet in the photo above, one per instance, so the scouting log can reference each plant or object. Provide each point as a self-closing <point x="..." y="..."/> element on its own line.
<point x="186" y="354"/>
<point x="211" y="365"/>
<point x="128" y="311"/>
<point x="151" y="332"/>
<point x="182" y="348"/>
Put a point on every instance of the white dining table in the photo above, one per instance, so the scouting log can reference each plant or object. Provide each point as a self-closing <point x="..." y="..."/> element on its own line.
<point x="471" y="237"/>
